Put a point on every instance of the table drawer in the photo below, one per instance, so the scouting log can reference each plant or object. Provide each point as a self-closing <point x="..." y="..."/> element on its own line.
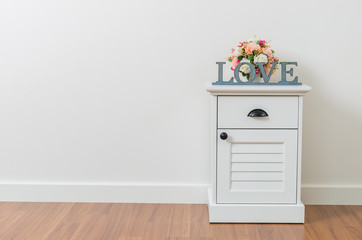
<point x="233" y="111"/>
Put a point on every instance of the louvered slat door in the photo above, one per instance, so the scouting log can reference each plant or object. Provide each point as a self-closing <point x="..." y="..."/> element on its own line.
<point x="257" y="166"/>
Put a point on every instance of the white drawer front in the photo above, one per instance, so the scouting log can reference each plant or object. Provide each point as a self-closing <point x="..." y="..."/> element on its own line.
<point x="233" y="111"/>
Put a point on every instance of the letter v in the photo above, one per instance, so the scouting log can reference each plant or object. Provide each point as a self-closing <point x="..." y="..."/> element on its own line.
<point x="262" y="70"/>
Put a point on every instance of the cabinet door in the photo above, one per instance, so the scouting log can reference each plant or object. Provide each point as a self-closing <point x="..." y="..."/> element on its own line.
<point x="257" y="166"/>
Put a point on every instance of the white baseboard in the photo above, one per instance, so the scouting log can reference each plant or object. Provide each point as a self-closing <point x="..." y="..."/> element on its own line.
<point x="332" y="194"/>
<point x="121" y="193"/>
<point x="155" y="193"/>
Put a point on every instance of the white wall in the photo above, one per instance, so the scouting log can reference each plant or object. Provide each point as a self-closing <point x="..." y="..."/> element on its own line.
<point x="110" y="94"/>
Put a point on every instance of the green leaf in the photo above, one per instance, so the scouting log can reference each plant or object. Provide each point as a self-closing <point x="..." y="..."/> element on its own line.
<point x="242" y="73"/>
<point x="230" y="59"/>
<point x="240" y="57"/>
<point x="250" y="57"/>
<point x="247" y="76"/>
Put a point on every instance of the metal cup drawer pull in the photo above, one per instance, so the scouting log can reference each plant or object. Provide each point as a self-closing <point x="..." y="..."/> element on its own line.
<point x="257" y="113"/>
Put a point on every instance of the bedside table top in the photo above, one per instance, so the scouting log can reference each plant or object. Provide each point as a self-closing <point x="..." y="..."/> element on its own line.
<point x="258" y="89"/>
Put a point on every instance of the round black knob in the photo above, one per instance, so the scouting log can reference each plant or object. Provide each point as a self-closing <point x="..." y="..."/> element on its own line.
<point x="223" y="135"/>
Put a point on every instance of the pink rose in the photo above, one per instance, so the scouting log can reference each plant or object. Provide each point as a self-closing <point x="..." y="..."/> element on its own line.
<point x="234" y="63"/>
<point x="241" y="44"/>
<point x="252" y="47"/>
<point x="262" y="42"/>
<point x="268" y="51"/>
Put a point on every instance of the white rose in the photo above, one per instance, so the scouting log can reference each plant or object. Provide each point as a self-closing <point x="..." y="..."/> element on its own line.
<point x="245" y="68"/>
<point x="237" y="52"/>
<point x="261" y="58"/>
<point x="253" y="39"/>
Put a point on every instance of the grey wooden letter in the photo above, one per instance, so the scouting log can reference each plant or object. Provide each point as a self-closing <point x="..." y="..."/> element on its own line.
<point x="237" y="69"/>
<point x="263" y="73"/>
<point x="284" y="73"/>
<point x="220" y="80"/>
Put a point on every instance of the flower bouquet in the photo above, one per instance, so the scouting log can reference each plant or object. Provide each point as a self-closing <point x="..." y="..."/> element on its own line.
<point x="253" y="51"/>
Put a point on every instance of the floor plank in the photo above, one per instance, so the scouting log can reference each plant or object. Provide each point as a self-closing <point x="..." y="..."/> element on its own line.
<point x="129" y="221"/>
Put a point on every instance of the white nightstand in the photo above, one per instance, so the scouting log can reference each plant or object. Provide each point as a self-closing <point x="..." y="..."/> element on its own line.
<point x="256" y="153"/>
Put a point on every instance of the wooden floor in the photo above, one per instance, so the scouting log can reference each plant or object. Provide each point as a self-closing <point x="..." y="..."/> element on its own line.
<point x="108" y="221"/>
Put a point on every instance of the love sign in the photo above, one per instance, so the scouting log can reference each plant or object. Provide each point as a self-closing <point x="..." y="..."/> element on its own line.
<point x="236" y="79"/>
